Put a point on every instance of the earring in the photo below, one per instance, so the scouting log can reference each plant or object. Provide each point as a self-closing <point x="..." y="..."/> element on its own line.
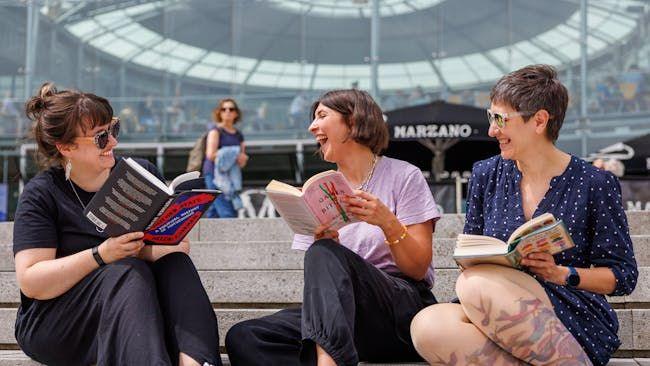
<point x="68" y="169"/>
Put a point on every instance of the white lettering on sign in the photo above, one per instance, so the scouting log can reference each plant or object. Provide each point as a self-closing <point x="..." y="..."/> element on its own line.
<point x="432" y="131"/>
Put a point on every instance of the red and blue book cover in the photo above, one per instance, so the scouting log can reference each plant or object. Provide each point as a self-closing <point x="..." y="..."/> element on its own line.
<point x="178" y="217"/>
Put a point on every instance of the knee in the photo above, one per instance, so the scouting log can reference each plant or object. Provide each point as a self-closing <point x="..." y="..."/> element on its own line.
<point x="129" y="274"/>
<point x="239" y="338"/>
<point x="322" y="249"/>
<point x="172" y="261"/>
<point x="430" y="328"/>
<point x="474" y="281"/>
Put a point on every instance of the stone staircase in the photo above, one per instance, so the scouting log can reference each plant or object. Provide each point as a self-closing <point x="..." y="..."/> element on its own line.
<point x="249" y="270"/>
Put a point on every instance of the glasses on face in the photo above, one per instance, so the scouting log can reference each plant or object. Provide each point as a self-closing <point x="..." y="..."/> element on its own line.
<point x="101" y="138"/>
<point x="228" y="109"/>
<point x="500" y="118"/>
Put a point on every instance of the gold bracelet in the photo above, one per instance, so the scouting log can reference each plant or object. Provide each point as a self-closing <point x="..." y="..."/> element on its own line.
<point x="401" y="237"/>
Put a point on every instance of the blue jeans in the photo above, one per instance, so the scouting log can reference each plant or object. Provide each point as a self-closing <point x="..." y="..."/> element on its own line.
<point x="211" y="212"/>
<point x="221" y="207"/>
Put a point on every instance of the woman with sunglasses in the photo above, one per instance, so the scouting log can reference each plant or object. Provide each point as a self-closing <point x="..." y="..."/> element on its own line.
<point x="554" y="310"/>
<point x="223" y="134"/>
<point x="85" y="298"/>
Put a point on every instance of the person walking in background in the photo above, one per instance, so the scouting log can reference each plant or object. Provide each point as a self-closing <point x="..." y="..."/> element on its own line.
<point x="554" y="311"/>
<point x="228" y="141"/>
<point x="84" y="298"/>
<point x="364" y="283"/>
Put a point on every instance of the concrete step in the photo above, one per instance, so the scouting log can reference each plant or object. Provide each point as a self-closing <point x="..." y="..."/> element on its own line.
<point x="265" y="255"/>
<point x="239" y="230"/>
<point x="18" y="358"/>
<point x="285" y="286"/>
<point x="633" y="331"/>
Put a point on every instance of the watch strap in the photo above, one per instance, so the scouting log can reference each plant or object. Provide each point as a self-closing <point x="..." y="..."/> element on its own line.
<point x="98" y="258"/>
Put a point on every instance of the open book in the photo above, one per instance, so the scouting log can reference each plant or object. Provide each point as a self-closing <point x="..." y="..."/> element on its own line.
<point x="540" y="234"/>
<point x="318" y="203"/>
<point x="133" y="199"/>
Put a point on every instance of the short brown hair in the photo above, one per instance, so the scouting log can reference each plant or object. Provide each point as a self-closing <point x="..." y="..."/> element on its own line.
<point x="532" y="88"/>
<point x="216" y="112"/>
<point x="360" y="113"/>
<point x="58" y="115"/>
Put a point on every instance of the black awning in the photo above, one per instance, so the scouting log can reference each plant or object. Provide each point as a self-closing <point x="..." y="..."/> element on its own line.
<point x="438" y="119"/>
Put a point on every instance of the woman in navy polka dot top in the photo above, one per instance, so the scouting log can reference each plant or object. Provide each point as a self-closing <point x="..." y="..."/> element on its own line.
<point x="555" y="310"/>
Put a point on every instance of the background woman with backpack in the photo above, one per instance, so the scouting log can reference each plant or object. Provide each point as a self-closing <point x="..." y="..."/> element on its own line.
<point x="221" y="135"/>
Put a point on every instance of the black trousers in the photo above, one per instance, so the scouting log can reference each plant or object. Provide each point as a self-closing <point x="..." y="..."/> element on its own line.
<point x="126" y="313"/>
<point x="353" y="310"/>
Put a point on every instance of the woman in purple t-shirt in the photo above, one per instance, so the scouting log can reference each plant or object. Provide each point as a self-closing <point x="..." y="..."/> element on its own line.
<point x="364" y="283"/>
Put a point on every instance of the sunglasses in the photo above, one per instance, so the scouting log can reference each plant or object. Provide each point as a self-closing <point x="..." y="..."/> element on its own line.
<point x="101" y="138"/>
<point x="500" y="118"/>
<point x="228" y="109"/>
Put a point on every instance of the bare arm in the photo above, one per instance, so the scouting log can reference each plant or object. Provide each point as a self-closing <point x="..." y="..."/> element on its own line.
<point x="42" y="276"/>
<point x="414" y="252"/>
<point x="152" y="253"/>
<point x="242" y="158"/>
<point x="211" y="145"/>
<point x="600" y="280"/>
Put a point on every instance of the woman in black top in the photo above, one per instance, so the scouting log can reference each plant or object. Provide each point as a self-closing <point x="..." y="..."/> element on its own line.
<point x="88" y="299"/>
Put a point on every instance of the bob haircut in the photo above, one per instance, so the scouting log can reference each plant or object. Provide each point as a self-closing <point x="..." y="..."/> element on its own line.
<point x="216" y="112"/>
<point x="532" y="88"/>
<point x="360" y="113"/>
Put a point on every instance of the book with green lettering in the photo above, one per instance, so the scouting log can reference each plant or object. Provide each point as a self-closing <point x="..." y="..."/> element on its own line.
<point x="541" y="234"/>
<point x="317" y="203"/>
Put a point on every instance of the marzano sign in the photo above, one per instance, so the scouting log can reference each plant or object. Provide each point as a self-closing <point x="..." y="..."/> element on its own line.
<point x="431" y="131"/>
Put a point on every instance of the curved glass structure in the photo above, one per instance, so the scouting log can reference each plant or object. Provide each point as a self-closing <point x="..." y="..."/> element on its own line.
<point x="441" y="51"/>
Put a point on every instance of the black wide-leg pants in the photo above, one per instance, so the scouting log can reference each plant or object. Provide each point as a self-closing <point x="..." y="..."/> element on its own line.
<point x="130" y="312"/>
<point x="353" y="310"/>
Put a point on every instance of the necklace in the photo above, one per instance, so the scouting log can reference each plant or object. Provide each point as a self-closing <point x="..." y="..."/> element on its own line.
<point x="82" y="204"/>
<point x="364" y="185"/>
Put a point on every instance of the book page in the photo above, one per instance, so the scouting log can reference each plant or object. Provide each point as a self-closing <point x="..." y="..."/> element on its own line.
<point x="148" y="176"/>
<point x="477" y="245"/>
<point x="295" y="212"/>
<point x="280" y="187"/>
<point x="323" y="196"/>
<point x="182" y="178"/>
<point x="532" y="225"/>
<point x="466" y="262"/>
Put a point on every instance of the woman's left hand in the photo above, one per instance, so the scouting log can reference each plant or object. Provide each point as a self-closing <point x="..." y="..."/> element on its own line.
<point x="242" y="159"/>
<point x="368" y="208"/>
<point x="543" y="265"/>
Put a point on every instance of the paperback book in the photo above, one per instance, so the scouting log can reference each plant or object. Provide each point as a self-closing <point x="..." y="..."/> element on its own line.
<point x="133" y="199"/>
<point x="541" y="234"/>
<point x="318" y="202"/>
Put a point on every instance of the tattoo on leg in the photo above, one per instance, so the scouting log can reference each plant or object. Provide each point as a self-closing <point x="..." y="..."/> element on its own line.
<point x="533" y="333"/>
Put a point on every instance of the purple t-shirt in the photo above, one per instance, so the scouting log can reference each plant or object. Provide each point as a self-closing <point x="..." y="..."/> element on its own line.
<point x="402" y="188"/>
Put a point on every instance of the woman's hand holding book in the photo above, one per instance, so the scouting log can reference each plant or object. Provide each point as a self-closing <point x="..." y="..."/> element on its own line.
<point x="116" y="248"/>
<point x="543" y="265"/>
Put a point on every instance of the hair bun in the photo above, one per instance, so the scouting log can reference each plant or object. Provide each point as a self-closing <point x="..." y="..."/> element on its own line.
<point x="36" y="104"/>
<point x="47" y="90"/>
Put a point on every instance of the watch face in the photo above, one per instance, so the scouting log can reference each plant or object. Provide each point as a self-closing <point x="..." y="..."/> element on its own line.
<point x="573" y="280"/>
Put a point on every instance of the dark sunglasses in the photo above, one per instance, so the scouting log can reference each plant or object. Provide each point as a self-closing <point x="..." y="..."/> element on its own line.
<point x="101" y="138"/>
<point x="224" y="109"/>
<point x="500" y="119"/>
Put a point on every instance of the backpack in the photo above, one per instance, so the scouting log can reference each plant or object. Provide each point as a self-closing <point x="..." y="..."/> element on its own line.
<point x="197" y="154"/>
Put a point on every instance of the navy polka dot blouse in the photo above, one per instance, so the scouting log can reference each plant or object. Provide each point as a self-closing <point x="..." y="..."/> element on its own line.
<point x="588" y="200"/>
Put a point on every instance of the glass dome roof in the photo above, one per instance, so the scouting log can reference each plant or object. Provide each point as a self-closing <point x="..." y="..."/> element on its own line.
<point x="427" y="43"/>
